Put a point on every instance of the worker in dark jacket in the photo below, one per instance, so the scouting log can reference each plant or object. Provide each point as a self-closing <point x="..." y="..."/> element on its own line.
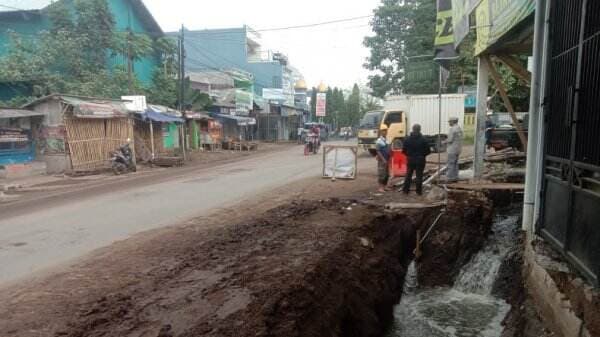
<point x="416" y="148"/>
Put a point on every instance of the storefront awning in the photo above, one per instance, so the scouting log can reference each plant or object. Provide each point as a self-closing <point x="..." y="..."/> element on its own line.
<point x="160" y="117"/>
<point x="241" y="121"/>
<point x="197" y="115"/>
<point x="18" y="113"/>
<point x="95" y="108"/>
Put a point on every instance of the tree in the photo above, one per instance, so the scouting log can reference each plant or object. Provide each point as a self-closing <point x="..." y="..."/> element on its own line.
<point x="404" y="30"/>
<point x="370" y="104"/>
<point x="353" y="111"/>
<point x="72" y="57"/>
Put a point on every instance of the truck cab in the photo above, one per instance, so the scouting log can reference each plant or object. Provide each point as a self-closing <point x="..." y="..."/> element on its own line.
<point x="371" y="123"/>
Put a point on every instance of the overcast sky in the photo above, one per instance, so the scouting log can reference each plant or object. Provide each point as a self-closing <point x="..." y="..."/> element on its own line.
<point x="330" y="53"/>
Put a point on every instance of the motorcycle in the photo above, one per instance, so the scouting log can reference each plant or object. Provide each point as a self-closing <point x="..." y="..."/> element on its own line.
<point x="122" y="160"/>
<point x="312" y="144"/>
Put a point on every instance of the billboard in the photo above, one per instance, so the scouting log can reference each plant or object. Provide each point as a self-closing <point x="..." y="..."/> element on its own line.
<point x="495" y="18"/>
<point x="444" y="38"/>
<point x="273" y="94"/>
<point x="244" y="102"/>
<point x="461" y="11"/>
<point x="321" y="110"/>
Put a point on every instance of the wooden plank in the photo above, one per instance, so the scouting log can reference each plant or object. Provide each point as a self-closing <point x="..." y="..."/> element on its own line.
<point x="487" y="186"/>
<point x="505" y="99"/>
<point x="515" y="65"/>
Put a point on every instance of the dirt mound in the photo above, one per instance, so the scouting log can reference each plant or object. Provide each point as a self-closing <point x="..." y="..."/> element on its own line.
<point x="312" y="268"/>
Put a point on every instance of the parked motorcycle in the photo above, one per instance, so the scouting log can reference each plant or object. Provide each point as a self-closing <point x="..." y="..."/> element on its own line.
<point x="122" y="160"/>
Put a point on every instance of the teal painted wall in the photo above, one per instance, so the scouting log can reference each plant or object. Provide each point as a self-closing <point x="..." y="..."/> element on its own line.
<point x="125" y="17"/>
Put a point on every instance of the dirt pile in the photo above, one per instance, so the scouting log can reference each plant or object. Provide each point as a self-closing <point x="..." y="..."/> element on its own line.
<point x="312" y="268"/>
<point x="460" y="233"/>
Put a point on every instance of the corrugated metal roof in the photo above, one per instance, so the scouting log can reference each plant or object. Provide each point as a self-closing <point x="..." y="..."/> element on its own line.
<point x="18" y="113"/>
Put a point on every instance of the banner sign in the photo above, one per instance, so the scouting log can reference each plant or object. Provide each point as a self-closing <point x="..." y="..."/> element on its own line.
<point x="273" y="94"/>
<point x="495" y="18"/>
<point x="321" y="105"/>
<point x="461" y="12"/>
<point x="444" y="39"/>
<point x="425" y="71"/>
<point x="244" y="102"/>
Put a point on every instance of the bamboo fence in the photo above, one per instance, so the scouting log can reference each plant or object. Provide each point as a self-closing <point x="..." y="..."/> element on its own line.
<point x="91" y="141"/>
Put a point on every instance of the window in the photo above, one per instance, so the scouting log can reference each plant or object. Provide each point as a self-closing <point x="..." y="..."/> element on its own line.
<point x="393" y="117"/>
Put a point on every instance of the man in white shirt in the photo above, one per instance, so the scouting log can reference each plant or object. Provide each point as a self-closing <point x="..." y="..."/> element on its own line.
<point x="454" y="148"/>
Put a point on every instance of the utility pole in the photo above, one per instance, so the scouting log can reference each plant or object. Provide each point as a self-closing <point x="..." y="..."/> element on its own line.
<point x="181" y="70"/>
<point x="129" y="62"/>
<point x="182" y="87"/>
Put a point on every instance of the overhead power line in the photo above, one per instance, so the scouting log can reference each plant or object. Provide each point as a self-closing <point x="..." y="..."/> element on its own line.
<point x="14" y="8"/>
<point x="314" y="24"/>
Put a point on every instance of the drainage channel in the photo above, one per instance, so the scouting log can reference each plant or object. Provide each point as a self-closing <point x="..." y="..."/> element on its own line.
<point x="468" y="308"/>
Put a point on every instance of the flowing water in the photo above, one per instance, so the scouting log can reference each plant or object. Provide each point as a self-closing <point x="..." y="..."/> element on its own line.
<point x="466" y="310"/>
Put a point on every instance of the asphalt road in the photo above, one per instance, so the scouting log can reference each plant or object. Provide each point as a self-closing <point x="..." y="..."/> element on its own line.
<point x="54" y="234"/>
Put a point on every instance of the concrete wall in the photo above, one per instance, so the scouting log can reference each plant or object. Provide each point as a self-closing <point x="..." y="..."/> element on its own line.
<point x="564" y="300"/>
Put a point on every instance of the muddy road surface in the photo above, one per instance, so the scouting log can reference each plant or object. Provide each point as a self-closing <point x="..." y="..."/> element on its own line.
<point x="57" y="230"/>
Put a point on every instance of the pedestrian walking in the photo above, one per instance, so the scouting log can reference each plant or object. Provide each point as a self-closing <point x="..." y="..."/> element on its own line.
<point x="416" y="148"/>
<point x="454" y="148"/>
<point x="383" y="156"/>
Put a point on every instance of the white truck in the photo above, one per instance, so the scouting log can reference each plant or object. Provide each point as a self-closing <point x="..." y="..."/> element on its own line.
<point x="425" y="110"/>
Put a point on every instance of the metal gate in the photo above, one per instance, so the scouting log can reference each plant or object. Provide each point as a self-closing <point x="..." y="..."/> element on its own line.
<point x="571" y="195"/>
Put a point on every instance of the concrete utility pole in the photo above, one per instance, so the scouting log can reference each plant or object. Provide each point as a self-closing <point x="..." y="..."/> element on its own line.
<point x="483" y="77"/>
<point x="182" y="87"/>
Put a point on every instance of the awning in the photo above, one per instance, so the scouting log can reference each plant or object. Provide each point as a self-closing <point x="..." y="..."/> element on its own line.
<point x="95" y="108"/>
<point x="197" y="115"/>
<point x="160" y="117"/>
<point x="241" y="121"/>
<point x="18" y="113"/>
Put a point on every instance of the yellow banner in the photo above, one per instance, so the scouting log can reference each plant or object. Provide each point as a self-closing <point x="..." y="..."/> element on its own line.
<point x="495" y="18"/>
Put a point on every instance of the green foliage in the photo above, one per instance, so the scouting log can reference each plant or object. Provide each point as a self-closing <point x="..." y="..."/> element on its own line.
<point x="72" y="58"/>
<point x="194" y="99"/>
<point x="463" y="71"/>
<point x="353" y="104"/>
<point x="403" y="30"/>
<point x="370" y="104"/>
<point x="518" y="91"/>
<point x="164" y="89"/>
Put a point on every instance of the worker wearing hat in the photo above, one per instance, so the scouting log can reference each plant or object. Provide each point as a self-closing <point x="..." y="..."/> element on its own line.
<point x="383" y="156"/>
<point x="454" y="148"/>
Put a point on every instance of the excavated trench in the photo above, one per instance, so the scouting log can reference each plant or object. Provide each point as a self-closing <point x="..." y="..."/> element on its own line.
<point x="311" y="268"/>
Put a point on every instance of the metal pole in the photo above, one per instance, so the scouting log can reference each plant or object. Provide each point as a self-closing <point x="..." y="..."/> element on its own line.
<point x="152" y="139"/>
<point x="439" y="140"/>
<point x="534" y="115"/>
<point x="482" y="92"/>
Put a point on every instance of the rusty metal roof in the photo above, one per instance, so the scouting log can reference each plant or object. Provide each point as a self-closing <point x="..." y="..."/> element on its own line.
<point x="18" y="113"/>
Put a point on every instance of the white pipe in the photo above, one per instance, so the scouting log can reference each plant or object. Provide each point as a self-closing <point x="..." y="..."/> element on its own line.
<point x="534" y="115"/>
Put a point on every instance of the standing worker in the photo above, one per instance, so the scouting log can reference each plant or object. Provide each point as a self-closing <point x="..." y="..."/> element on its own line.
<point x="454" y="146"/>
<point x="416" y="148"/>
<point x="383" y="156"/>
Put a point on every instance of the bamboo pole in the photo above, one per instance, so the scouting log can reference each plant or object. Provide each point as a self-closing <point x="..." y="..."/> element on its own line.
<point x="152" y="139"/>
<point x="505" y="99"/>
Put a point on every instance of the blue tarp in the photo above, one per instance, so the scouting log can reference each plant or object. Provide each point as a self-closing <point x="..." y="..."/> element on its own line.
<point x="160" y="117"/>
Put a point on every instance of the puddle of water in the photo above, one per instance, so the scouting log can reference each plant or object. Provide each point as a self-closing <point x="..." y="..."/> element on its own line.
<point x="466" y="310"/>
